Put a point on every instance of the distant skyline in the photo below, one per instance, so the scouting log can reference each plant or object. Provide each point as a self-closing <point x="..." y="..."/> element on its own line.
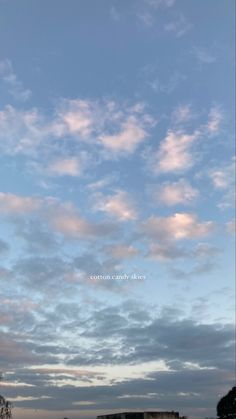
<point x="117" y="170"/>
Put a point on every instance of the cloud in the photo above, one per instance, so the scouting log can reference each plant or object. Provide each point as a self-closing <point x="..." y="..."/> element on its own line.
<point x="4" y="247"/>
<point x="147" y="13"/>
<point x="156" y="391"/>
<point x="76" y="117"/>
<point x="204" y="55"/>
<point x="179" y="226"/>
<point x="174" y="154"/>
<point x="168" y="86"/>
<point x="71" y="166"/>
<point x="202" y="257"/>
<point x="220" y="179"/>
<point x="166" y="252"/>
<point x="127" y="140"/>
<point x="22" y="132"/>
<point x="160" y="3"/>
<point x="162" y="357"/>
<point x="230" y="226"/>
<point x="223" y="179"/>
<point x="179" y="27"/>
<point x="175" y="193"/>
<point x="16" y="204"/>
<point x="42" y="273"/>
<point x="204" y="250"/>
<point x="114" y="127"/>
<point x="117" y="130"/>
<point x="182" y="114"/>
<point x="71" y="224"/>
<point x="205" y="260"/>
<point x="101" y="183"/>
<point x="62" y="217"/>
<point x="13" y="352"/>
<point x="37" y="237"/>
<point x="114" y="14"/>
<point x="165" y="337"/>
<point x="214" y="121"/>
<point x="118" y="205"/>
<point x="14" y="85"/>
<point x="121" y="251"/>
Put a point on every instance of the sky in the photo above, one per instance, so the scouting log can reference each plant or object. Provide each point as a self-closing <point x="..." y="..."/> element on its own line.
<point x="117" y="206"/>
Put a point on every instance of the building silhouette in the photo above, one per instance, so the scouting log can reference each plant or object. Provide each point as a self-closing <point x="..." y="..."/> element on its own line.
<point x="143" y="415"/>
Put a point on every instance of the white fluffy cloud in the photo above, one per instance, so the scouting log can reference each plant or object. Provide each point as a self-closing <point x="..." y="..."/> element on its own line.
<point x="71" y="166"/>
<point x="127" y="139"/>
<point x="174" y="154"/>
<point x="223" y="177"/>
<point x="117" y="128"/>
<point x="76" y="117"/>
<point x="174" y="193"/>
<point x="118" y="205"/>
<point x="176" y="227"/>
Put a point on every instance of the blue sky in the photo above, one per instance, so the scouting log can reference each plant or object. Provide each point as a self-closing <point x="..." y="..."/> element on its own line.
<point x="117" y="205"/>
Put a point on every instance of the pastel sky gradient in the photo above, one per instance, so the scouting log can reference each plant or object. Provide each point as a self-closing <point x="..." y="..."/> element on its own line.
<point x="116" y="158"/>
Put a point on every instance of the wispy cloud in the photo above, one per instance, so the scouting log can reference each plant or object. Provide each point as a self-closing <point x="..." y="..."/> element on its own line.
<point x="114" y="14"/>
<point x="182" y="114"/>
<point x="148" y="13"/>
<point x="204" y="55"/>
<point x="15" y="86"/>
<point x="121" y="251"/>
<point x="180" y="26"/>
<point x="223" y="180"/>
<point x="167" y="86"/>
<point x="21" y="132"/>
<point x="214" y="121"/>
<point x="156" y="4"/>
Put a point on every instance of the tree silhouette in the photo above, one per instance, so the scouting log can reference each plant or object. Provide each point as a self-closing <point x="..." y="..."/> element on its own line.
<point x="226" y="408"/>
<point x="5" y="407"/>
